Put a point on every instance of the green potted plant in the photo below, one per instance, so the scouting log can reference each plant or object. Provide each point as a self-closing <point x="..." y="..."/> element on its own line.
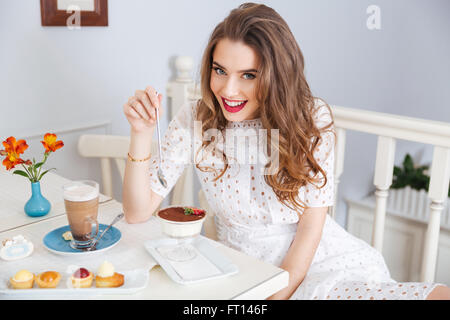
<point x="409" y="190"/>
<point x="408" y="175"/>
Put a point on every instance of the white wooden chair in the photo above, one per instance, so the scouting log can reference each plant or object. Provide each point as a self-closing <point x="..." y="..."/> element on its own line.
<point x="107" y="148"/>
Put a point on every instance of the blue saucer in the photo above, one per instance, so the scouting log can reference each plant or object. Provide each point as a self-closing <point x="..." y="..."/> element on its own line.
<point x="54" y="241"/>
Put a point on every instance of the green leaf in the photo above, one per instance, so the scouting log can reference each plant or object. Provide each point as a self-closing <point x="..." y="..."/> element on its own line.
<point x="38" y="165"/>
<point x="397" y="171"/>
<point x="42" y="174"/>
<point x="408" y="164"/>
<point x="32" y="171"/>
<point x="410" y="176"/>
<point x="21" y="173"/>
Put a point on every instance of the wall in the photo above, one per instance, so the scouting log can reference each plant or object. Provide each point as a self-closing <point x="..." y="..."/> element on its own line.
<point x="52" y="78"/>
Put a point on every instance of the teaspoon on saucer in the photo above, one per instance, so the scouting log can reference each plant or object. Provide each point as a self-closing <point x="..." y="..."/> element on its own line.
<point x="92" y="247"/>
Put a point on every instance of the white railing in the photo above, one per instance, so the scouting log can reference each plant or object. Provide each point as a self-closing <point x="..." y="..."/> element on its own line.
<point x="388" y="128"/>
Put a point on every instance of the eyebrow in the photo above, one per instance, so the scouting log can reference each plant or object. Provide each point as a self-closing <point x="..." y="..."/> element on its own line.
<point x="241" y="71"/>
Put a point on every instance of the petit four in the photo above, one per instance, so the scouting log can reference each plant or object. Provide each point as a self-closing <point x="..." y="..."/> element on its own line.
<point x="107" y="277"/>
<point x="82" y="278"/>
<point x="23" y="279"/>
<point x="48" y="279"/>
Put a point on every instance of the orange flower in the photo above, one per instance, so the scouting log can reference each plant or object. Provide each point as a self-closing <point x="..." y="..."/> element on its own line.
<point x="12" y="151"/>
<point x="50" y="144"/>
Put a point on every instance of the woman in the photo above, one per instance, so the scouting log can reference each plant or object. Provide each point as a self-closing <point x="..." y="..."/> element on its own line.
<point x="271" y="204"/>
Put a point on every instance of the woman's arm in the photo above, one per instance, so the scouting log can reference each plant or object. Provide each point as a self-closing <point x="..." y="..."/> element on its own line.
<point x="139" y="201"/>
<point x="302" y="250"/>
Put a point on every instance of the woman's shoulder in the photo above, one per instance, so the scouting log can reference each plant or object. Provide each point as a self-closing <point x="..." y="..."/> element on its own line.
<point x="322" y="113"/>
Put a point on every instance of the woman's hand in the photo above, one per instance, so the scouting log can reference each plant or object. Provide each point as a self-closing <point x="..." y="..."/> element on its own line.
<point x="140" y="110"/>
<point x="300" y="255"/>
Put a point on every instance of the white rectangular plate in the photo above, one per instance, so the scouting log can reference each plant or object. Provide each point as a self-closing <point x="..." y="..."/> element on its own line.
<point x="212" y="263"/>
<point x="135" y="280"/>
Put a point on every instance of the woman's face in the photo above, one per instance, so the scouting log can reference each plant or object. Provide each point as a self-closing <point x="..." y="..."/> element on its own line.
<point x="234" y="76"/>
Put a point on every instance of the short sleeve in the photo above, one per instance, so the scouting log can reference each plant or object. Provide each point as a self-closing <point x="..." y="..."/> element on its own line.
<point x="176" y="147"/>
<point x="315" y="195"/>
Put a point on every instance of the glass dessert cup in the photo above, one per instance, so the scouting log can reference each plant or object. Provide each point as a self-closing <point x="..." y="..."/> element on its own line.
<point x="181" y="251"/>
<point x="183" y="232"/>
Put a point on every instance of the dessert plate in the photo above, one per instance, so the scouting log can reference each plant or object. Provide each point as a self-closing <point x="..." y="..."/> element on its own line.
<point x="208" y="264"/>
<point x="55" y="242"/>
<point x="135" y="280"/>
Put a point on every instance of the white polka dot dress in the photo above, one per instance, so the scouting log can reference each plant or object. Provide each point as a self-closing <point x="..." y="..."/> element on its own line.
<point x="249" y="217"/>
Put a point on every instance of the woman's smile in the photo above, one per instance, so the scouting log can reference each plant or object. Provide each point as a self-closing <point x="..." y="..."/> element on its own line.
<point x="233" y="105"/>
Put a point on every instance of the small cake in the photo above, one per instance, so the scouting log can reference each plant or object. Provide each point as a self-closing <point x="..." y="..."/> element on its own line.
<point x="48" y="279"/>
<point x="181" y="222"/>
<point x="82" y="278"/>
<point x="107" y="277"/>
<point x="23" y="279"/>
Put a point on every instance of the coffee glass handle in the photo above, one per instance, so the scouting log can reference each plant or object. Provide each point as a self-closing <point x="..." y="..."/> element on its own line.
<point x="94" y="224"/>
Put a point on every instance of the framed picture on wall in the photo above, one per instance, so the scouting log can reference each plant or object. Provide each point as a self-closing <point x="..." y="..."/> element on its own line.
<point x="78" y="13"/>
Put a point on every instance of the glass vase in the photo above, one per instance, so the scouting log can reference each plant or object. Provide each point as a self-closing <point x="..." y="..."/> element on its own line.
<point x="37" y="205"/>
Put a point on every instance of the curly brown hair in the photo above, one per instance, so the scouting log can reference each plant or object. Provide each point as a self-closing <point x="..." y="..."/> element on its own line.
<point x="288" y="106"/>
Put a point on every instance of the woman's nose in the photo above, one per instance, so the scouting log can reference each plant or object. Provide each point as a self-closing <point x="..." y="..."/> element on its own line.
<point x="231" y="88"/>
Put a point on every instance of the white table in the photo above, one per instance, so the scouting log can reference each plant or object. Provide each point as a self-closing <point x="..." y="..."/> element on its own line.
<point x="255" y="279"/>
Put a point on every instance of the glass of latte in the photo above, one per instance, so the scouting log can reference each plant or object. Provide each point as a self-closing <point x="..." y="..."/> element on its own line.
<point x="81" y="202"/>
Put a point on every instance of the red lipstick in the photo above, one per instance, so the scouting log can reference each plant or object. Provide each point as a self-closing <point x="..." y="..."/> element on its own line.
<point x="233" y="109"/>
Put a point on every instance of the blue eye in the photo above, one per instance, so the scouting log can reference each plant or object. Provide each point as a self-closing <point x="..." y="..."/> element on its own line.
<point x="246" y="76"/>
<point x="219" y="71"/>
<point x="250" y="76"/>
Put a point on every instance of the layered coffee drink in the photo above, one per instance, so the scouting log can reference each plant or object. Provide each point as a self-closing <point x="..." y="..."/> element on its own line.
<point x="81" y="202"/>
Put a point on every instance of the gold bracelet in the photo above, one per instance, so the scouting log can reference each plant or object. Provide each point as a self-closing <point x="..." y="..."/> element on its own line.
<point x="138" y="160"/>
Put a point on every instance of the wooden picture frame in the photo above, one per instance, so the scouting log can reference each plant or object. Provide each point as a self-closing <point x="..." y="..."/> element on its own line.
<point x="51" y="16"/>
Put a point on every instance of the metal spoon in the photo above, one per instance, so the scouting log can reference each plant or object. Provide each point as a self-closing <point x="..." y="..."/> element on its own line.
<point x="92" y="247"/>
<point x="161" y="178"/>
